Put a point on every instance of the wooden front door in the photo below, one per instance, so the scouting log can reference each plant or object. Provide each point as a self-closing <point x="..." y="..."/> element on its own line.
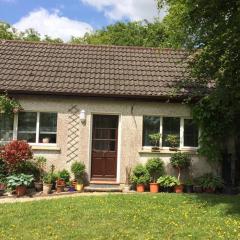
<point x="104" y="147"/>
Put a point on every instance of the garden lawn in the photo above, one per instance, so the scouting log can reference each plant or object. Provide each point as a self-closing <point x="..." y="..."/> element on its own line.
<point x="120" y="216"/>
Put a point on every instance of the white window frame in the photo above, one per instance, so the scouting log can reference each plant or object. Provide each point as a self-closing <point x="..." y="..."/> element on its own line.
<point x="181" y="145"/>
<point x="15" y="129"/>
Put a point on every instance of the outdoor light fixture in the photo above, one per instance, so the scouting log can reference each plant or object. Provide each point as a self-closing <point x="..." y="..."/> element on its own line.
<point x="82" y="116"/>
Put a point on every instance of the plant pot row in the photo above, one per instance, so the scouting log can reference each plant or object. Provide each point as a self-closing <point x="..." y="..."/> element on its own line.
<point x="155" y="188"/>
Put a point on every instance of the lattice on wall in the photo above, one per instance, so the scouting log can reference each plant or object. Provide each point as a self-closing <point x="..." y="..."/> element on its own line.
<point x="73" y="134"/>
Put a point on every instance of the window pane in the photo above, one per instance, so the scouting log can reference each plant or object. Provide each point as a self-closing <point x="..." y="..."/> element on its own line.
<point x="27" y="126"/>
<point x="6" y="127"/>
<point x="190" y="133"/>
<point x="47" y="127"/>
<point x="171" y="126"/>
<point x="151" y="125"/>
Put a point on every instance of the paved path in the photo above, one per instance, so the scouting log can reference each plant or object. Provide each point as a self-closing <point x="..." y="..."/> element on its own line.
<point x="49" y="197"/>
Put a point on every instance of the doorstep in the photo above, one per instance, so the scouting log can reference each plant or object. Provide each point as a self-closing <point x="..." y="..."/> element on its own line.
<point x="103" y="187"/>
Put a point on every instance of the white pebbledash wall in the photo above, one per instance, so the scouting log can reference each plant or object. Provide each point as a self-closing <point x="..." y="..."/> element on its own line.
<point x="130" y="151"/>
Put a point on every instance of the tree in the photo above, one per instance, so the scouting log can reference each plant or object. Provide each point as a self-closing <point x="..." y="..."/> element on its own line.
<point x="211" y="30"/>
<point x="6" y="31"/>
<point x="126" y="34"/>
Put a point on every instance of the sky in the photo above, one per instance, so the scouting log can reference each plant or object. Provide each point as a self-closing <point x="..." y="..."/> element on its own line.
<point x="66" y="18"/>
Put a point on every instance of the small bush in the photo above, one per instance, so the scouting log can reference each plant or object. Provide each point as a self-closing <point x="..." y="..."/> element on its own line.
<point x="155" y="167"/>
<point x="173" y="140"/>
<point x="19" y="180"/>
<point x="15" y="153"/>
<point x="208" y="180"/>
<point x="168" y="181"/>
<point x="140" y="175"/>
<point x="78" y="169"/>
<point x="64" y="175"/>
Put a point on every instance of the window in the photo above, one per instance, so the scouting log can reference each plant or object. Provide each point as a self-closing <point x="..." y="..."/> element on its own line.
<point x="185" y="129"/>
<point x="6" y="127"/>
<point x="151" y="124"/>
<point x="47" y="128"/>
<point x="171" y="126"/>
<point x="190" y="133"/>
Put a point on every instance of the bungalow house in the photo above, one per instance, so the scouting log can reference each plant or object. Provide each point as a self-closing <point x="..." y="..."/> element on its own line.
<point x="97" y="104"/>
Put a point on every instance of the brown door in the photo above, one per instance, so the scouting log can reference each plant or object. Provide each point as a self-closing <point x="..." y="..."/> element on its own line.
<point x="104" y="147"/>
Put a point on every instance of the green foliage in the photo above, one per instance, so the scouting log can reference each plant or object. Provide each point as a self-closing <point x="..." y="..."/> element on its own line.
<point x="40" y="162"/>
<point x="19" y="180"/>
<point x="126" y="34"/>
<point x="3" y="179"/>
<point x="155" y="167"/>
<point x="155" y="138"/>
<point x="50" y="178"/>
<point x="208" y="180"/>
<point x="173" y="140"/>
<point x="78" y="169"/>
<point x="180" y="160"/>
<point x="140" y="175"/>
<point x="64" y="175"/>
<point x="210" y="30"/>
<point x="168" y="181"/>
<point x="9" y="105"/>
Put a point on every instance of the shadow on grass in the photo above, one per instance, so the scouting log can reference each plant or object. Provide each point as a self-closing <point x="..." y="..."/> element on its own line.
<point x="230" y="204"/>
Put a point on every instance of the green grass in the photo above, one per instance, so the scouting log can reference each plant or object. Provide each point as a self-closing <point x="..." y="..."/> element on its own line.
<point x="138" y="216"/>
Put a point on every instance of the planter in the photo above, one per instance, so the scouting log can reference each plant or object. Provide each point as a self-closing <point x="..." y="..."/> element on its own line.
<point x="154" y="187"/>
<point x="2" y="192"/>
<point x="38" y="186"/>
<point x="188" y="188"/>
<point x="126" y="188"/>
<point x="166" y="189"/>
<point x="197" y="189"/>
<point x="74" y="184"/>
<point x="60" y="188"/>
<point x="47" y="188"/>
<point x="209" y="190"/>
<point x="21" y="190"/>
<point x="155" y="149"/>
<point x="60" y="182"/>
<point x="173" y="149"/>
<point x="79" y="187"/>
<point x="140" y="187"/>
<point x="179" y="188"/>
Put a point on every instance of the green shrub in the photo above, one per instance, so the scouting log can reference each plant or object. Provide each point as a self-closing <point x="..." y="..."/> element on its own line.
<point x="155" y="138"/>
<point x="168" y="181"/>
<point x="172" y="140"/>
<point x="40" y="162"/>
<point x="209" y="180"/>
<point x="155" y="167"/>
<point x="180" y="161"/>
<point x="78" y="170"/>
<point x="64" y="175"/>
<point x="50" y="178"/>
<point x="19" y="180"/>
<point x="140" y="175"/>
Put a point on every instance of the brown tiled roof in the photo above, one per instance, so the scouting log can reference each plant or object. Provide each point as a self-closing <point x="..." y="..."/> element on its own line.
<point x="90" y="70"/>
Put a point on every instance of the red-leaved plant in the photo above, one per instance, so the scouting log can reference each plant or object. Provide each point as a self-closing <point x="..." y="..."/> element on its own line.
<point x="14" y="153"/>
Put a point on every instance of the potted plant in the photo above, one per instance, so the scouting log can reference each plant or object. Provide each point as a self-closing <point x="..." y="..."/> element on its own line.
<point x="180" y="161"/>
<point x="155" y="139"/>
<point x="78" y="170"/>
<point x="63" y="178"/>
<point x="188" y="186"/>
<point x="140" y="177"/>
<point x="20" y="183"/>
<point x="48" y="180"/>
<point x="167" y="183"/>
<point x="155" y="168"/>
<point x="210" y="182"/>
<point x="173" y="141"/>
<point x="40" y="162"/>
<point x="2" y="184"/>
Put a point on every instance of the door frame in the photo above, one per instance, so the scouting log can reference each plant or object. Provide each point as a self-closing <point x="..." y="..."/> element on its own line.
<point x="118" y="139"/>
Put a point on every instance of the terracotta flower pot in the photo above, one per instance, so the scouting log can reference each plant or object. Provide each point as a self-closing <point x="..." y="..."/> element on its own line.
<point x="154" y="187"/>
<point x="140" y="187"/>
<point x="60" y="182"/>
<point x="60" y="188"/>
<point x="179" y="188"/>
<point x="74" y="184"/>
<point x="21" y="190"/>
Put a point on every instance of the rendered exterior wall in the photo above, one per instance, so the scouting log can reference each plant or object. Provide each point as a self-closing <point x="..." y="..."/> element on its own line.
<point x="130" y="113"/>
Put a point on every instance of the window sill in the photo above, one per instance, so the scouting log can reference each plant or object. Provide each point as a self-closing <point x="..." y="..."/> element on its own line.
<point x="45" y="147"/>
<point x="167" y="151"/>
